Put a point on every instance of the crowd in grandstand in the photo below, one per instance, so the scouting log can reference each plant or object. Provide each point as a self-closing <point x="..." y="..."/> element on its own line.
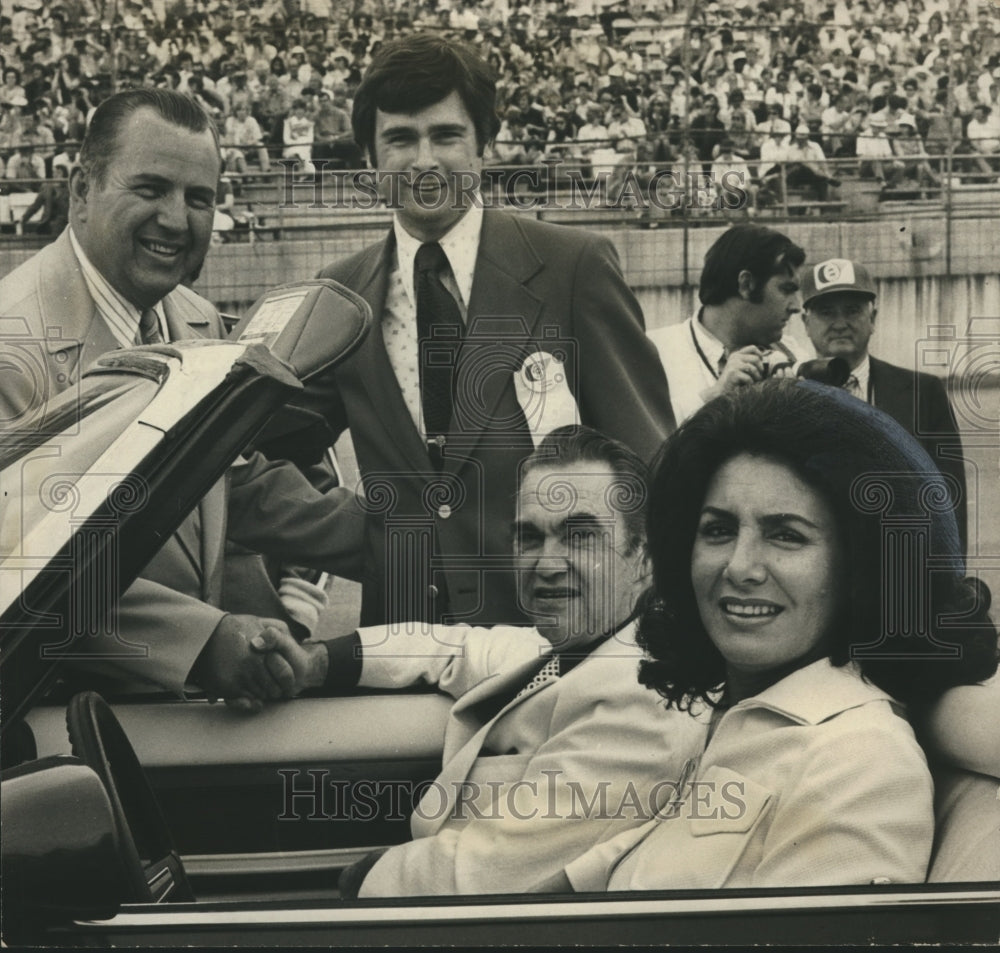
<point x="733" y="86"/>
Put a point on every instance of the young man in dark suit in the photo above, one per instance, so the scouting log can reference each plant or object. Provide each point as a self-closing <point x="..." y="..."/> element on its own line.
<point x="491" y="329"/>
<point x="838" y="298"/>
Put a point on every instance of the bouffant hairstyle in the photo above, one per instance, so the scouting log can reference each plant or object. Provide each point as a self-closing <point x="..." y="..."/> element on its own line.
<point x="907" y="614"/>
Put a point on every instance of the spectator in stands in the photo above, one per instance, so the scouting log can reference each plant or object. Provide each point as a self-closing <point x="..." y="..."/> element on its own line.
<point x="773" y="154"/>
<point x="25" y="170"/>
<point x="983" y="133"/>
<point x="297" y="135"/>
<point x="744" y="140"/>
<point x="65" y="160"/>
<point x="942" y="128"/>
<point x="874" y="148"/>
<point x="12" y="92"/>
<point x="706" y="129"/>
<point x="736" y="106"/>
<point x="593" y="134"/>
<point x="834" y="122"/>
<point x="730" y="175"/>
<point x="915" y="104"/>
<point x="623" y="126"/>
<point x="806" y="165"/>
<point x="53" y="202"/>
<point x="775" y="126"/>
<point x="273" y="107"/>
<point x="509" y="148"/>
<point x="779" y="94"/>
<point x="811" y="108"/>
<point x="11" y="120"/>
<point x="911" y="163"/>
<point x="242" y="137"/>
<point x="967" y="97"/>
<point x="333" y="136"/>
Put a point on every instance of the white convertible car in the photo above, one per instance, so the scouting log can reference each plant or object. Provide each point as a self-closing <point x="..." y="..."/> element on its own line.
<point x="160" y="822"/>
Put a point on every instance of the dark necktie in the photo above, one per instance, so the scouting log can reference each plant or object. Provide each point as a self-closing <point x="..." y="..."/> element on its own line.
<point x="149" y="328"/>
<point x="439" y="334"/>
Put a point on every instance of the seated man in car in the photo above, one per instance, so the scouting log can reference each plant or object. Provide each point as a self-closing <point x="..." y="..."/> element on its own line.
<point x="552" y="744"/>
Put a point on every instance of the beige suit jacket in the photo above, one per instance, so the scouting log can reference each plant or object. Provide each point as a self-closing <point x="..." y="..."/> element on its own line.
<point x="525" y="789"/>
<point x="51" y="332"/>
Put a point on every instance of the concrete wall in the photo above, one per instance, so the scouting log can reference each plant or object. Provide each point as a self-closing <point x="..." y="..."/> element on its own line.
<point x="921" y="288"/>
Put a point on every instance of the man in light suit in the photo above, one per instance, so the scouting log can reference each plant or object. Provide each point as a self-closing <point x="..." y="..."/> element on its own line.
<point x="141" y="213"/>
<point x="552" y="744"/>
<point x="839" y="310"/>
<point x="518" y="289"/>
<point x="749" y="290"/>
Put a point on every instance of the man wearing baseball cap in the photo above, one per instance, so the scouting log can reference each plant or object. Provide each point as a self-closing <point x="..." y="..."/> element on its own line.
<point x="838" y="312"/>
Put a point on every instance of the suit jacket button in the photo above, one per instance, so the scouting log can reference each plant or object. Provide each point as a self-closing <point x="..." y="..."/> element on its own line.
<point x="444" y="511"/>
<point x="432" y="591"/>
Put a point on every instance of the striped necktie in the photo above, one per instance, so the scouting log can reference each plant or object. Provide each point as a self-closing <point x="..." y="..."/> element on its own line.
<point x="149" y="328"/>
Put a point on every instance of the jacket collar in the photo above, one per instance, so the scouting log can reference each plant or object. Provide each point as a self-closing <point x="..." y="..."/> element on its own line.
<point x="66" y="305"/>
<point x="817" y="692"/>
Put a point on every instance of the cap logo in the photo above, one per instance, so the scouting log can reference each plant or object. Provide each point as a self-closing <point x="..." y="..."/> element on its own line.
<point x="836" y="271"/>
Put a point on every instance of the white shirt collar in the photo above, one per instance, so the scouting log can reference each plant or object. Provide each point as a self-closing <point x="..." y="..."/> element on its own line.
<point x="863" y="373"/>
<point x="708" y="343"/>
<point x="460" y="245"/>
<point x="121" y="316"/>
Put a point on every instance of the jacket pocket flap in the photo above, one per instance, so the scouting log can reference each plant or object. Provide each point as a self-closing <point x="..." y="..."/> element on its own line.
<point x="723" y="801"/>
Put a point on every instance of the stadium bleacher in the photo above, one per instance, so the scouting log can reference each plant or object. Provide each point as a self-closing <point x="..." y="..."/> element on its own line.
<point x="833" y="108"/>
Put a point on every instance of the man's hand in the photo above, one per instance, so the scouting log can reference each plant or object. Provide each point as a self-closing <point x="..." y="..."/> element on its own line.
<point x="307" y="661"/>
<point x="228" y="668"/>
<point x="745" y="366"/>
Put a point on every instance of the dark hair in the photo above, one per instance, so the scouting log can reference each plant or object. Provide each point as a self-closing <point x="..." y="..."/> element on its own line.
<point x="100" y="141"/>
<point x="864" y="465"/>
<point x="755" y="248"/>
<point x="417" y="71"/>
<point x="576" y="443"/>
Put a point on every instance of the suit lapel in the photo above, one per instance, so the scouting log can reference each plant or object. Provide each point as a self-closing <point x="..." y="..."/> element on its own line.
<point x="891" y="393"/>
<point x="184" y="320"/>
<point x="466" y="734"/>
<point x="75" y="334"/>
<point x="503" y="316"/>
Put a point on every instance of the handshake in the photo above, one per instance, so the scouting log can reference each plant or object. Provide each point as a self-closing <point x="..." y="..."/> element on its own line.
<point x="249" y="660"/>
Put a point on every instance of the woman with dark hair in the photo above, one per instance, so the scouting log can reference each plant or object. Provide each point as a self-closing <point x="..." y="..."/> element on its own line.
<point x="794" y="612"/>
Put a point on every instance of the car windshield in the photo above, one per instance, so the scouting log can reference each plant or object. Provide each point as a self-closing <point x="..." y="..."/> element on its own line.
<point x="41" y="462"/>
